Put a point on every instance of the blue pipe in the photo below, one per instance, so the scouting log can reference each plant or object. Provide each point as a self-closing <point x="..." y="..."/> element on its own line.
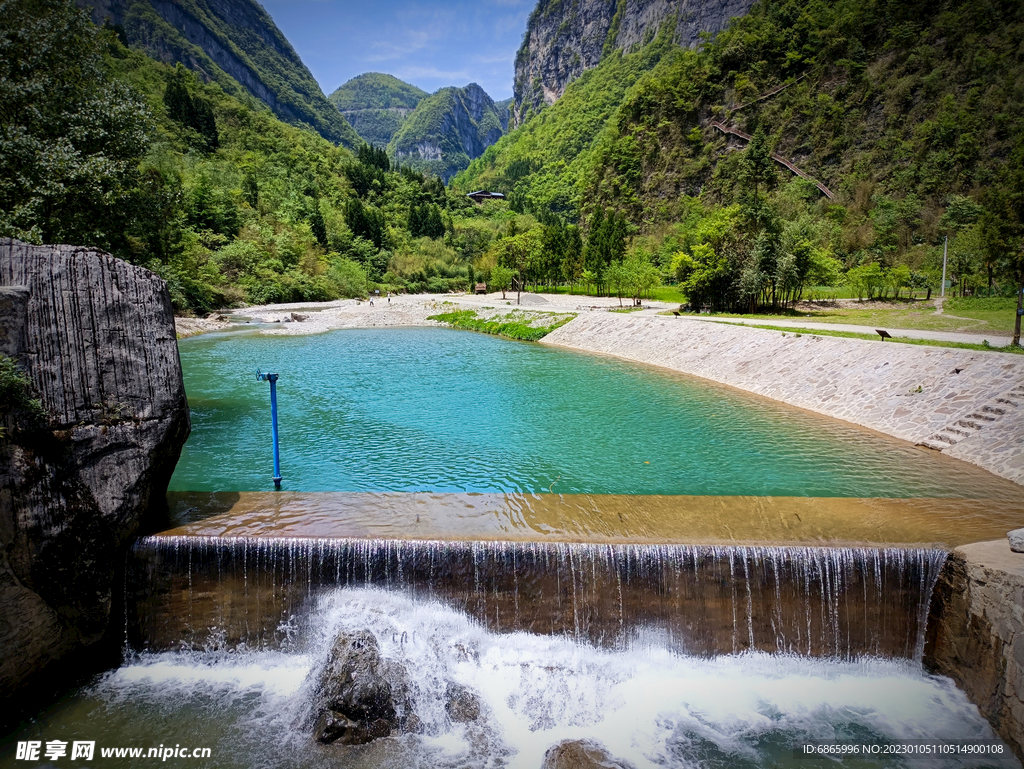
<point x="272" y="378"/>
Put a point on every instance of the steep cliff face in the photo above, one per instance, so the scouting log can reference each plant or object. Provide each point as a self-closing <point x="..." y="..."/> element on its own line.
<point x="232" y="42"/>
<point x="447" y="130"/>
<point x="564" y="38"/>
<point x="95" y="336"/>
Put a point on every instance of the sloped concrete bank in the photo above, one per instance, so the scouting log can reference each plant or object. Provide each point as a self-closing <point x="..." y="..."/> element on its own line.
<point x="968" y="404"/>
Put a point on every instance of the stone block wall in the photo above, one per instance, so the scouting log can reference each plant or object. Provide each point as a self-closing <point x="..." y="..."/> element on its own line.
<point x="976" y="633"/>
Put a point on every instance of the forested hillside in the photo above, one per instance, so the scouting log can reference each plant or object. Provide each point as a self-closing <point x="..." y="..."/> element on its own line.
<point x="376" y="105"/>
<point x="234" y="43"/>
<point x="106" y="147"/>
<point x="448" y="129"/>
<point x="909" y="112"/>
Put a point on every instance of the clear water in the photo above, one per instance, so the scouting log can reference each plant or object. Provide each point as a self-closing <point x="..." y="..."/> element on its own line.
<point x="428" y="409"/>
<point x="645" y="705"/>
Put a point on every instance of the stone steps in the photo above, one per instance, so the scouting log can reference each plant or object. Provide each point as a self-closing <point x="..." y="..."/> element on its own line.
<point x="967" y="426"/>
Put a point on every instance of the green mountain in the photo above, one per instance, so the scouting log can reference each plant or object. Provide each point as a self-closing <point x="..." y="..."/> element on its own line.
<point x="545" y="164"/>
<point x="376" y="105"/>
<point x="447" y="130"/>
<point x="808" y="143"/>
<point x="234" y="43"/>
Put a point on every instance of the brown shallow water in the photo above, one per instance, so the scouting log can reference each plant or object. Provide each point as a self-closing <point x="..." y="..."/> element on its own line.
<point x="940" y="522"/>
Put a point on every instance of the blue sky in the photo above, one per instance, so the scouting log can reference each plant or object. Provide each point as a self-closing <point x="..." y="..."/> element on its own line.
<point x="429" y="44"/>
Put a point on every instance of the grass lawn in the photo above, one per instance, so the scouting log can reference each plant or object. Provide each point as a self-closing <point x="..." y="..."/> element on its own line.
<point x="970" y="315"/>
<point x="901" y="340"/>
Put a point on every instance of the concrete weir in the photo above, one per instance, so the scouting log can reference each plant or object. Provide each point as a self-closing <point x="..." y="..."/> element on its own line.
<point x="966" y="403"/>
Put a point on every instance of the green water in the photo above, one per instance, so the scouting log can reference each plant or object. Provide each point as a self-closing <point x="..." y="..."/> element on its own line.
<point x="427" y="409"/>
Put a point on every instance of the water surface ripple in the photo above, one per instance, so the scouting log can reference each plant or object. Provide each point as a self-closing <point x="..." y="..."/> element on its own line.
<point x="436" y="410"/>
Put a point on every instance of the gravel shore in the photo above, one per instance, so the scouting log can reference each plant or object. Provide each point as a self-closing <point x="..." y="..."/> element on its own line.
<point x="401" y="310"/>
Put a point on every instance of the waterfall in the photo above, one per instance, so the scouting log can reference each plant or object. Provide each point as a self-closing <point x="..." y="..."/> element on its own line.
<point x="259" y="592"/>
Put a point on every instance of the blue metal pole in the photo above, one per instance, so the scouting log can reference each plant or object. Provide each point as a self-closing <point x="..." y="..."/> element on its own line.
<point x="273" y="417"/>
<point x="272" y="378"/>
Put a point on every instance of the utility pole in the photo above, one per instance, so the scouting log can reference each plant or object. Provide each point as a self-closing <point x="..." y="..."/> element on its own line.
<point x="272" y="378"/>
<point x="945" y="246"/>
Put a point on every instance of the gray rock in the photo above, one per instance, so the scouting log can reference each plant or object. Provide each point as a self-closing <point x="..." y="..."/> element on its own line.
<point x="13" y="301"/>
<point x="299" y="318"/>
<point x="581" y="754"/>
<point x="356" y="700"/>
<point x="1016" y="538"/>
<point x="97" y="342"/>
<point x="569" y="38"/>
<point x="461" y="704"/>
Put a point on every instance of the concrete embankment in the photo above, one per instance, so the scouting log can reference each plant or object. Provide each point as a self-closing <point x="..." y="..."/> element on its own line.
<point x="968" y="404"/>
<point x="976" y="633"/>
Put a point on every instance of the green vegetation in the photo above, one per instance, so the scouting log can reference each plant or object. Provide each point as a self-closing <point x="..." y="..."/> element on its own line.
<point x="254" y="44"/>
<point x="19" y="409"/>
<point x="514" y="325"/>
<point x="375" y="90"/>
<point x="908" y="111"/>
<point x="443" y="121"/>
<point x="223" y="200"/>
<point x="376" y="105"/>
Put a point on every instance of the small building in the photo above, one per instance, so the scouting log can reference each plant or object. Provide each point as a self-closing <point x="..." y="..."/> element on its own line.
<point x="481" y="195"/>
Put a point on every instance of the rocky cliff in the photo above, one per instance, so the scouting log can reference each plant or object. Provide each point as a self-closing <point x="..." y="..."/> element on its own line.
<point x="564" y="38"/>
<point x="232" y="42"/>
<point x="95" y="337"/>
<point x="447" y="130"/>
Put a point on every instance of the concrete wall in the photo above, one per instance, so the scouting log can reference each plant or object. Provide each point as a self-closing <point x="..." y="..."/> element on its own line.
<point x="976" y="633"/>
<point x="966" y="403"/>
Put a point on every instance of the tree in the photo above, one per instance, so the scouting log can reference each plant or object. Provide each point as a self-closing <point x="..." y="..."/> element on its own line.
<point x="318" y="227"/>
<point x="1003" y="227"/>
<point x="501" y="278"/>
<point x="757" y="166"/>
<point x="519" y="252"/>
<point x="70" y="138"/>
<point x="640" y="275"/>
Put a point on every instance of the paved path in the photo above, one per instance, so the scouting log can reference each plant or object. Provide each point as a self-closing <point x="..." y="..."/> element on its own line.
<point x="906" y="333"/>
<point x="563" y="303"/>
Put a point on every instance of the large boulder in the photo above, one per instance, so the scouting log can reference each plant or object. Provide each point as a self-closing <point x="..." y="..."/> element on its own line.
<point x="95" y="337"/>
<point x="581" y="754"/>
<point x="359" y="697"/>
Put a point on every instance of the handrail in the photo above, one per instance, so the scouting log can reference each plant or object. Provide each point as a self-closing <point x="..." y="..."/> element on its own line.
<point x="777" y="158"/>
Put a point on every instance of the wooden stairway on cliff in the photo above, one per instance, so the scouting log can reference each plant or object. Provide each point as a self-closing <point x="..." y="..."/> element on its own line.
<point x="777" y="158"/>
<point x="967" y="426"/>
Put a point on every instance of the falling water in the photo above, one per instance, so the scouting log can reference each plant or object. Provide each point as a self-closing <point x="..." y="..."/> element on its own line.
<point x="258" y="592"/>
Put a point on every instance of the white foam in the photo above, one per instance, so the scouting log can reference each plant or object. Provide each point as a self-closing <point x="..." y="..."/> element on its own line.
<point x="646" y="705"/>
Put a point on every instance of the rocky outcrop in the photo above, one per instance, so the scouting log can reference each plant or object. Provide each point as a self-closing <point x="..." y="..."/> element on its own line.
<point x="564" y="39"/>
<point x="461" y="704"/>
<point x="95" y="336"/>
<point x="232" y="42"/>
<point x="581" y="754"/>
<point x="447" y="130"/>
<point x="359" y="697"/>
<point x="976" y="633"/>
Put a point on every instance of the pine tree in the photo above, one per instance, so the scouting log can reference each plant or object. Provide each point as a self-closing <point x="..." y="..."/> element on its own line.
<point x="434" y="226"/>
<point x="415" y="221"/>
<point x="318" y="227"/>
